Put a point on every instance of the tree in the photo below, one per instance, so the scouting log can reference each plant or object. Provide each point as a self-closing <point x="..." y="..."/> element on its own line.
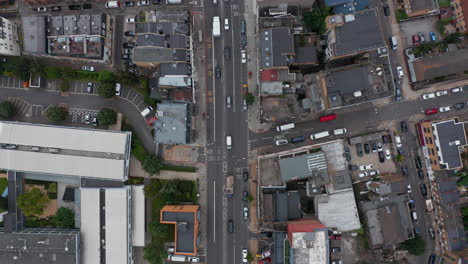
<point x="52" y="188"/>
<point x="152" y="164"/>
<point x="128" y="78"/>
<point x="154" y="253"/>
<point x="32" y="202"/>
<point x="158" y="230"/>
<point x="107" y="116"/>
<point x="53" y="73"/>
<point x="22" y="69"/>
<point x="152" y="189"/>
<point x="64" y="86"/>
<point x="65" y="218"/>
<point x="249" y="257"/>
<point x="56" y="113"/>
<point x="415" y="246"/>
<point x="106" y="89"/>
<point x="250" y="98"/>
<point x="315" y="19"/>
<point x="6" y="109"/>
<point x="400" y="158"/>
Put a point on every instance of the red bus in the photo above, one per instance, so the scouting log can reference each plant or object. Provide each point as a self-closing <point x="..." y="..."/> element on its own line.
<point x="329" y="117"/>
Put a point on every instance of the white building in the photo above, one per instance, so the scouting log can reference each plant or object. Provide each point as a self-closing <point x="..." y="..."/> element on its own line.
<point x="9" y="41"/>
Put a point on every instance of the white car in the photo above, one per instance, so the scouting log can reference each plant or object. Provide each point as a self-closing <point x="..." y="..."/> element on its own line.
<point x="374" y="173"/>
<point x="399" y="70"/>
<point x="281" y="142"/>
<point x="379" y="147"/>
<point x="387" y="154"/>
<point x="88" y="68"/>
<point x="143" y="3"/>
<point x="131" y="20"/>
<point x="441" y="93"/>
<point x="246" y="212"/>
<point x="244" y="255"/>
<point x="193" y="259"/>
<point x="428" y="96"/>
<point x="409" y="188"/>
<point x="398" y="141"/>
<point x="41" y="9"/>
<point x="118" y="89"/>
<point x="457" y="89"/>
<point x="243" y="56"/>
<point x="363" y="174"/>
<point x="365" y="167"/>
<point x="445" y="109"/>
<point x="226" y="24"/>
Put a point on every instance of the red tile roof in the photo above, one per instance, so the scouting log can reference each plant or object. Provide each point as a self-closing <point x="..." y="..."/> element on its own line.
<point x="304" y="225"/>
<point x="270" y="75"/>
<point x="183" y="95"/>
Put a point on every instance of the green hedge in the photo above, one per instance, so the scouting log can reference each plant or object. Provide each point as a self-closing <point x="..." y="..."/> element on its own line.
<point x="179" y="168"/>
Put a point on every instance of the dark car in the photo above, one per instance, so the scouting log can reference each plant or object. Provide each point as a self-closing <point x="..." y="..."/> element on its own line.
<point x="56" y="8"/>
<point x="218" y="72"/>
<point x="366" y="148"/>
<point x="347" y="153"/>
<point x="95" y="121"/>
<point x="243" y="40"/>
<point x="386" y="10"/>
<point x="417" y="162"/>
<point x="359" y="149"/>
<point x="230" y="226"/>
<point x="397" y="94"/>
<point x="87" y="6"/>
<point x="374" y="146"/>
<point x="353" y="167"/>
<point x="245" y="196"/>
<point x="157" y="2"/>
<point x="404" y="126"/>
<point x="381" y="157"/>
<point x="431" y="233"/>
<point x="74" y="7"/>
<point x="432" y="258"/>
<point x="335" y="249"/>
<point x="129" y="33"/>
<point x="298" y="139"/>
<point x="421" y="174"/>
<point x="227" y="53"/>
<point x="404" y="170"/>
<point x="423" y="189"/>
<point x="265" y="235"/>
<point x="385" y="139"/>
<point x="458" y="106"/>
<point x="129" y="45"/>
<point x="411" y="203"/>
<point x="128" y="3"/>
<point x="245" y="176"/>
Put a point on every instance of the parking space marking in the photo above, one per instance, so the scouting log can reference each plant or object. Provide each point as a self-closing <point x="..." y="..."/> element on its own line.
<point x="136" y="95"/>
<point x="36" y="111"/>
<point x="78" y="114"/>
<point x="21" y="106"/>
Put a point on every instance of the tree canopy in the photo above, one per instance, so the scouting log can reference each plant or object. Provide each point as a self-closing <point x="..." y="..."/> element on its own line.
<point x="65" y="218"/>
<point x="32" y="202"/>
<point x="415" y="246"/>
<point x="107" y="116"/>
<point x="250" y="98"/>
<point x="106" y="89"/>
<point x="56" y="113"/>
<point x="6" y="109"/>
<point x="152" y="164"/>
<point x="315" y="19"/>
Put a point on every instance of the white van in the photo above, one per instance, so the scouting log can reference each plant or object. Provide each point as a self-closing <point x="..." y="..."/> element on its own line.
<point x="339" y="131"/>
<point x="285" y="127"/>
<point x="398" y="141"/>
<point x="215" y="2"/>
<point x="414" y="216"/>
<point x="112" y="4"/>
<point x="228" y="142"/>
<point x="147" y="111"/>
<point x="394" y="42"/>
<point x="320" y="135"/>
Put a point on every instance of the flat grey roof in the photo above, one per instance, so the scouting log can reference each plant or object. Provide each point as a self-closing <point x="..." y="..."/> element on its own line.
<point x="158" y="55"/>
<point x="348" y="80"/>
<point x="312" y="165"/>
<point x="150" y="39"/>
<point x="179" y="42"/>
<point x="185" y="229"/>
<point x="306" y="55"/>
<point x="281" y="206"/>
<point x="40" y="246"/>
<point x="450" y="138"/>
<point x="173" y="124"/>
<point x="339" y="210"/>
<point x="420" y="5"/>
<point x="34" y="34"/>
<point x="275" y="45"/>
<point x="359" y="35"/>
<point x="162" y="28"/>
<point x="181" y="68"/>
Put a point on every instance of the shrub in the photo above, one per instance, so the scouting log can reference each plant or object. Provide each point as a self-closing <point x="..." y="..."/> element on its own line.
<point x="6" y="109"/>
<point x="52" y="188"/>
<point x="401" y="14"/>
<point x="250" y="98"/>
<point x="107" y="116"/>
<point x="65" y="86"/>
<point x="152" y="164"/>
<point x="53" y="73"/>
<point x="32" y="202"/>
<point x="56" y="113"/>
<point x="315" y="19"/>
<point x="415" y="246"/>
<point x="65" y="218"/>
<point x="106" y="89"/>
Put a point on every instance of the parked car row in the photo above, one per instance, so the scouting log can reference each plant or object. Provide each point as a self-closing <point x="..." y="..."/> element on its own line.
<point x="442" y="93"/>
<point x="419" y="38"/>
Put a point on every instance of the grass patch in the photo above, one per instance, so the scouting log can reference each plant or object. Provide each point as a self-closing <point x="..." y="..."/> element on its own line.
<point x="444" y="3"/>
<point x="3" y="184"/>
<point x="401" y="14"/>
<point x="179" y="168"/>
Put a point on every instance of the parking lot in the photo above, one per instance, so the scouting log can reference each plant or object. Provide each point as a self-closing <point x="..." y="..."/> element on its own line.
<point x="133" y="97"/>
<point x="26" y="109"/>
<point x="413" y="27"/>
<point x="78" y="115"/>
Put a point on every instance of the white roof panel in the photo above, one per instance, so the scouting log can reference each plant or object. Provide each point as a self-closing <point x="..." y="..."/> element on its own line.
<point x="138" y="216"/>
<point x="90" y="225"/>
<point x="117" y="225"/>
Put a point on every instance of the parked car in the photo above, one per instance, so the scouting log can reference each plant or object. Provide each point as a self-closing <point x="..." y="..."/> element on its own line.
<point x="421" y="37"/>
<point x="444" y="109"/>
<point x="74" y="7"/>
<point x="243" y="56"/>
<point x="386" y="10"/>
<point x="245" y="211"/>
<point x="335" y="249"/>
<point x="87" y="6"/>
<point x="441" y="93"/>
<point x="157" y="2"/>
<point x="431" y="111"/>
<point x="404" y="170"/>
<point x="431" y="233"/>
<point x="387" y="154"/>
<point x="244" y="255"/>
<point x="432" y="36"/>
<point x="226" y="24"/>
<point x="359" y="149"/>
<point x="385" y="139"/>
<point x="381" y="157"/>
<point x="245" y="176"/>
<point x="432" y="258"/>
<point x="118" y="89"/>
<point x="421" y="174"/>
<point x="128" y="3"/>
<point x="130" y="20"/>
<point x="398" y="141"/>
<point x="347" y="154"/>
<point x="87" y="119"/>
<point x="89" y="87"/>
<point x="129" y="33"/>
<point x="143" y="3"/>
<point x="245" y="195"/>
<point x="363" y="174"/>
<point x="95" y="121"/>
<point x="88" y="68"/>
<point x="374" y="173"/>
<point x="428" y="96"/>
<point x="457" y="89"/>
<point x="365" y="167"/>
<point x="125" y="56"/>
<point x="404" y="126"/>
<point x="129" y="45"/>
<point x="379" y="147"/>
<point x="417" y="162"/>
<point x="56" y="8"/>
<point x="374" y="146"/>
<point x="366" y="148"/>
<point x="281" y="142"/>
<point x="265" y="260"/>
<point x="400" y="71"/>
<point x="40" y="9"/>
<point x="416" y="40"/>
<point x="458" y="106"/>
<point x="335" y="237"/>
<point x="423" y="189"/>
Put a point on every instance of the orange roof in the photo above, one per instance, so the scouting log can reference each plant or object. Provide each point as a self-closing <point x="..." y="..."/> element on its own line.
<point x="304" y="225"/>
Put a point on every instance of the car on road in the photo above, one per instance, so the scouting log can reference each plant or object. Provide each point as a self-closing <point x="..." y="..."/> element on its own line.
<point x="228" y="102"/>
<point x="244" y="104"/>
<point x="89" y="87"/>
<point x="458" y="106"/>
<point x="281" y="142"/>
<point x="359" y="149"/>
<point x="421" y="174"/>
<point x="230" y="226"/>
<point x="432" y="258"/>
<point x="129" y="33"/>
<point x="244" y="255"/>
<point x="88" y="68"/>
<point x="365" y="167"/>
<point x="444" y="109"/>
<point x="428" y="96"/>
<point x="387" y="154"/>
<point x="118" y="89"/>
<point x="386" y="10"/>
<point x="363" y="174"/>
<point x="327" y="118"/>
<point x="130" y="20"/>
<point x="40" y="9"/>
<point x="432" y="36"/>
<point x="381" y="156"/>
<point x="417" y="162"/>
<point x="441" y="93"/>
<point x="423" y="188"/>
<point x="299" y="139"/>
<point x="416" y="40"/>
<point x="404" y="126"/>
<point x="143" y="3"/>
<point x="226" y="24"/>
<point x="245" y="195"/>
<point x="398" y="141"/>
<point x="400" y="71"/>
<point x="245" y="211"/>
<point x="339" y="131"/>
<point x="457" y="89"/>
<point x="227" y="53"/>
<point x="218" y="72"/>
<point x="431" y="233"/>
<point x="431" y="111"/>
<point x="56" y="8"/>
<point x="366" y="148"/>
<point x="243" y="56"/>
<point x="245" y="176"/>
<point x="404" y="170"/>
<point x="87" y="119"/>
<point x="421" y="37"/>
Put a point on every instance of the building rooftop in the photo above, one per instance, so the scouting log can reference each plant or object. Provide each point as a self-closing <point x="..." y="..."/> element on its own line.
<point x="429" y="67"/>
<point x="175" y="69"/>
<point x="40" y="246"/>
<point x="339" y="210"/>
<point x="306" y="55"/>
<point x="34" y="34"/>
<point x="173" y="125"/>
<point x="162" y="28"/>
<point x="151" y="39"/>
<point x="156" y="55"/>
<point x="313" y="166"/>
<point x="286" y="206"/>
<point x="175" y="81"/>
<point x="70" y="25"/>
<point x="81" y="152"/>
<point x="276" y="44"/>
<point x="420" y="7"/>
<point x="309" y="242"/>
<point x="185" y="219"/>
<point x="347" y="6"/>
<point x="450" y="137"/>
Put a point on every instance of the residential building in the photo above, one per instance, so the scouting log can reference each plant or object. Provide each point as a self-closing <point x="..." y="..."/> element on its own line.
<point x="34" y="35"/>
<point x="276" y="48"/>
<point x="347" y="6"/>
<point x="185" y="218"/>
<point x="342" y="32"/>
<point x="86" y="154"/>
<point x="442" y="142"/>
<point x="460" y="12"/>
<point x="415" y="8"/>
<point x="309" y="242"/>
<point x="173" y="124"/>
<point x="9" y="40"/>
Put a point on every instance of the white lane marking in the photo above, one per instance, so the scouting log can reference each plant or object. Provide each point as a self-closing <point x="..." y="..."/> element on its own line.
<point x="214" y="90"/>
<point x="214" y="210"/>
<point x="234" y="84"/>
